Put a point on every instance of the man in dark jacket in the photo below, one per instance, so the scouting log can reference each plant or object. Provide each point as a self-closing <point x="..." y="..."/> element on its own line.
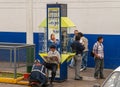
<point x="38" y="73"/>
<point x="78" y="48"/>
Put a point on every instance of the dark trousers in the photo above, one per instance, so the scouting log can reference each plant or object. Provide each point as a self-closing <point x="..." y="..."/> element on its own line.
<point x="37" y="76"/>
<point x="53" y="68"/>
<point x="99" y="65"/>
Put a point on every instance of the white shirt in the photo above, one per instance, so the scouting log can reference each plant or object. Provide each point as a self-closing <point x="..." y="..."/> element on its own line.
<point x="55" y="53"/>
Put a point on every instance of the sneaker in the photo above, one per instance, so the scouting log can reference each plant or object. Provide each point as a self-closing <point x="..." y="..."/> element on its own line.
<point x="71" y="66"/>
<point x="82" y="69"/>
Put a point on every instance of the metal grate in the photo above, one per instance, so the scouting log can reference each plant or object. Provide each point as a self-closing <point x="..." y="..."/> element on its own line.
<point x="16" y="58"/>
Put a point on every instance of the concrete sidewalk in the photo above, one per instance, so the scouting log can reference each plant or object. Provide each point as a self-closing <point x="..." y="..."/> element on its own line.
<point x="88" y="80"/>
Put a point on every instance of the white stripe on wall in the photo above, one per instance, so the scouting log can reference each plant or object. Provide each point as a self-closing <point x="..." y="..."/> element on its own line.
<point x="90" y="16"/>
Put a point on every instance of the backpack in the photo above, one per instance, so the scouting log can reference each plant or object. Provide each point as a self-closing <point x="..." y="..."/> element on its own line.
<point x="92" y="54"/>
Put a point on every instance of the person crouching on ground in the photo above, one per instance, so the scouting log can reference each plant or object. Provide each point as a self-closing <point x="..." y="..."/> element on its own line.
<point x="78" y="47"/>
<point x="53" y="59"/>
<point x="38" y="73"/>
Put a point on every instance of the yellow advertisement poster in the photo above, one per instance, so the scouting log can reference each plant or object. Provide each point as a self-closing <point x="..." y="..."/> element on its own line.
<point x="54" y="27"/>
<point x="53" y="18"/>
<point x="54" y="31"/>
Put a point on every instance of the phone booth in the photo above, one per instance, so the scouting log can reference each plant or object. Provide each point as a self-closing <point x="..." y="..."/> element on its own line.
<point x="57" y="25"/>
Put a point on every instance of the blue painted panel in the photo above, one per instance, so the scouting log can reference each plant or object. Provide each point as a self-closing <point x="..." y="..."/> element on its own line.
<point x="111" y="50"/>
<point x="38" y="41"/>
<point x="13" y="37"/>
<point x="4" y="55"/>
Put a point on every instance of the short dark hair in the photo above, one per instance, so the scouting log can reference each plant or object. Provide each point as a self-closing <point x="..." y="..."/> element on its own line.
<point x="81" y="34"/>
<point x="53" y="46"/>
<point x="99" y="38"/>
<point x="75" y="30"/>
<point x="77" y="38"/>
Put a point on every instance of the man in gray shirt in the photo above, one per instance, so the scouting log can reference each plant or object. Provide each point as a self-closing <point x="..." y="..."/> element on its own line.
<point x="78" y="48"/>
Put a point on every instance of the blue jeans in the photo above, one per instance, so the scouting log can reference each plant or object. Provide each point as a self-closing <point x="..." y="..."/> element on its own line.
<point x="84" y="59"/>
<point x="72" y="63"/>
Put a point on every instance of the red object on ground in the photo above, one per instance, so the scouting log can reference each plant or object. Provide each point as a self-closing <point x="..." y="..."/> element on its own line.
<point x="26" y="76"/>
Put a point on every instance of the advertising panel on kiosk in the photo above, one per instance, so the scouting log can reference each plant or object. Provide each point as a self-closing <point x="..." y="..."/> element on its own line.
<point x="53" y="30"/>
<point x="53" y="19"/>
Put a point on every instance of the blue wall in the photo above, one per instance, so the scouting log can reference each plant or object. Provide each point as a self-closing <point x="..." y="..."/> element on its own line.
<point x="111" y="49"/>
<point x="111" y="46"/>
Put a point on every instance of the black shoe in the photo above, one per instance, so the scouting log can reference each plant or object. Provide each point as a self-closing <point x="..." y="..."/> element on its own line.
<point x="80" y="78"/>
<point x="71" y="66"/>
<point x="45" y="85"/>
<point x="96" y="77"/>
<point x="50" y="85"/>
<point x="77" y="79"/>
<point x="102" y="77"/>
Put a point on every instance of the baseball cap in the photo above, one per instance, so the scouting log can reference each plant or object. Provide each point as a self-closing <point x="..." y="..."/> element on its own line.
<point x="37" y="61"/>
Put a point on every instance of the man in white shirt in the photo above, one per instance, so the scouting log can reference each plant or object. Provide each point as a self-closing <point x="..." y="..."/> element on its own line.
<point x="53" y="59"/>
<point x="84" y="42"/>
